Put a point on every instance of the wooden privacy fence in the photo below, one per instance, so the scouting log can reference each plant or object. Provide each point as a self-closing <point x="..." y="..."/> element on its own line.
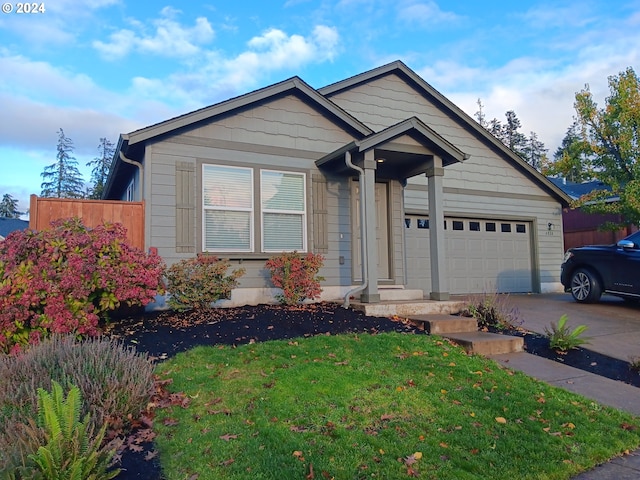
<point x="92" y="213"/>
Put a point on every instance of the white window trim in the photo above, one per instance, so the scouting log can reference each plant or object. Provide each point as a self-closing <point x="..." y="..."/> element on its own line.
<point x="250" y="209"/>
<point x="302" y="214"/>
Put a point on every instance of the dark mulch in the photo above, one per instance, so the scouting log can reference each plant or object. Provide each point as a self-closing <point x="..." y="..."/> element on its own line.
<point x="164" y="334"/>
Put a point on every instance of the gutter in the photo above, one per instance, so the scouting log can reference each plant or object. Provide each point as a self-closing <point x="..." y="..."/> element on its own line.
<point x="363" y="237"/>
<point x="140" y="169"/>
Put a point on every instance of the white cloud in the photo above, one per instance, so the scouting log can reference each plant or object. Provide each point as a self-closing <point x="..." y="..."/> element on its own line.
<point x="168" y="38"/>
<point x="214" y="77"/>
<point x="425" y="12"/>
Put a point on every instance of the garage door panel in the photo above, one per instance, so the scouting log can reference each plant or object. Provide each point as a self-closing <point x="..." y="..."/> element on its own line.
<point x="479" y="259"/>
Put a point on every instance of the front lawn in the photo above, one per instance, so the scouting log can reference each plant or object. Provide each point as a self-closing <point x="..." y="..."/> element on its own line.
<point x="382" y="406"/>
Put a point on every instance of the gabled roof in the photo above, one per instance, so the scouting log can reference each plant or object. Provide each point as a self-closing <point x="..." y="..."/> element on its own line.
<point x="294" y="84"/>
<point x="400" y="69"/>
<point x="131" y="144"/>
<point x="405" y="164"/>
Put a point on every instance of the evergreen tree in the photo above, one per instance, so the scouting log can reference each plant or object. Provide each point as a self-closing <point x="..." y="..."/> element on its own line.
<point x="9" y="207"/>
<point x="535" y="152"/>
<point x="101" y="167"/>
<point x="513" y="138"/>
<point x="571" y="159"/>
<point x="62" y="179"/>
<point x="480" y="116"/>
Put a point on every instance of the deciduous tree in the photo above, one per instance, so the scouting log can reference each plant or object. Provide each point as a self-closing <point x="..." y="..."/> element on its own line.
<point x="612" y="135"/>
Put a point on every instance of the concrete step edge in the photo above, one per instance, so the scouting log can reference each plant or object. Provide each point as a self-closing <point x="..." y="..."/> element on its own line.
<point x="484" y="343"/>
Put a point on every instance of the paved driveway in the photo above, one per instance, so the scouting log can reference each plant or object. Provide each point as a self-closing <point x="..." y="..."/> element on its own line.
<point x="614" y="325"/>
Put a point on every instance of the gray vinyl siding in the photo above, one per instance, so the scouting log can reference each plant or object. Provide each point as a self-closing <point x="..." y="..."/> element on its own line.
<point x="495" y="186"/>
<point x="285" y="134"/>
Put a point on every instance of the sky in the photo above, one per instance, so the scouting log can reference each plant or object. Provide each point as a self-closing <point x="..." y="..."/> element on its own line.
<point x="99" y="68"/>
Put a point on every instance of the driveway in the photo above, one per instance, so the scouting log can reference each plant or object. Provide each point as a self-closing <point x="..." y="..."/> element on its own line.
<point x="614" y="325"/>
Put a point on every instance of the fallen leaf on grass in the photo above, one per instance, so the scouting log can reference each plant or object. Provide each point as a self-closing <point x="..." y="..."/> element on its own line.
<point x="226" y="463"/>
<point x="628" y="426"/>
<point x="501" y="420"/>
<point x="228" y="437"/>
<point x="299" y="455"/>
<point x="170" y="422"/>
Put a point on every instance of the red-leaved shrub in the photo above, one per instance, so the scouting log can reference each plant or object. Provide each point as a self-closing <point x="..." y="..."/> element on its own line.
<point x="61" y="280"/>
<point x="297" y="275"/>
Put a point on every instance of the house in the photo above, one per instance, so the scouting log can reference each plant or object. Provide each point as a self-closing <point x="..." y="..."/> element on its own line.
<point x="583" y="228"/>
<point x="404" y="194"/>
<point x="8" y="225"/>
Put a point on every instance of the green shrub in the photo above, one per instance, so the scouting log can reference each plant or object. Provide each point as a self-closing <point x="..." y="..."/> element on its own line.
<point x="115" y="382"/>
<point x="562" y="338"/>
<point x="493" y="311"/>
<point x="297" y="276"/>
<point x="65" y="279"/>
<point x="199" y="282"/>
<point x="71" y="450"/>
<point x="634" y="363"/>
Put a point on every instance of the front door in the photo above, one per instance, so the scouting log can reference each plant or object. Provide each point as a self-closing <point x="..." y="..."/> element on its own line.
<point x="382" y="230"/>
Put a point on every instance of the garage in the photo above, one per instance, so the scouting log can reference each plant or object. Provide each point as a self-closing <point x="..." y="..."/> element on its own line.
<point x="483" y="255"/>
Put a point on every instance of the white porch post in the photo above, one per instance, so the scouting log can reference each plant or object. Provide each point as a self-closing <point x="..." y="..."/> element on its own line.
<point x="370" y="293"/>
<point x="439" y="274"/>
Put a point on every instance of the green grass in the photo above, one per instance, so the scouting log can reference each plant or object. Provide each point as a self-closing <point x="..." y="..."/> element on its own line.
<point x="375" y="406"/>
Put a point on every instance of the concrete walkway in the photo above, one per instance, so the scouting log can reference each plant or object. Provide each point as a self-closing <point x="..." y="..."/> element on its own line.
<point x="614" y="328"/>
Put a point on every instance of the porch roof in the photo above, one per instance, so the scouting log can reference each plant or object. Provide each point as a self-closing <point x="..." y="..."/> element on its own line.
<point x="396" y="160"/>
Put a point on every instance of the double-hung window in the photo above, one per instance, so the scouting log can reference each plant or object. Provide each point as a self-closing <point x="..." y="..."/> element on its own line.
<point x="227" y="197"/>
<point x="282" y="206"/>
<point x="230" y="206"/>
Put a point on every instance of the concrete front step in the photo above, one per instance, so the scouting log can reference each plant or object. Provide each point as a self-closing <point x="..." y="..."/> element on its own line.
<point x="441" y="324"/>
<point x="409" y="308"/>
<point x="485" y="343"/>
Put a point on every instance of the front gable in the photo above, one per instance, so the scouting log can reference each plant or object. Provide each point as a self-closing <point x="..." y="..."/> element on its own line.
<point x="392" y="93"/>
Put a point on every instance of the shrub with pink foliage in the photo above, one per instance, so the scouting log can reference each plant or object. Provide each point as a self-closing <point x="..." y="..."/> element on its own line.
<point x="297" y="275"/>
<point x="62" y="280"/>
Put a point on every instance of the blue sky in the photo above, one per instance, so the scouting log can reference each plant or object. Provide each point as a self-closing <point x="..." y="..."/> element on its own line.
<point x="98" y="68"/>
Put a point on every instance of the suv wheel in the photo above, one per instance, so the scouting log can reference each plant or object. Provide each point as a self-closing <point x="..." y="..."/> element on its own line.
<point x="585" y="286"/>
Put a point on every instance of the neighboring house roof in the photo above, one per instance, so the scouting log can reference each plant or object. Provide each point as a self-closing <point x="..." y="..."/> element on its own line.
<point x="131" y="145"/>
<point x="576" y="190"/>
<point x="8" y="225"/>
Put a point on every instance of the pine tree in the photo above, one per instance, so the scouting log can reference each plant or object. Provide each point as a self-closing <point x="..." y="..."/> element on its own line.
<point x="535" y="152"/>
<point x="572" y="158"/>
<point x="9" y="207"/>
<point x="480" y="116"/>
<point x="62" y="179"/>
<point x="514" y="139"/>
<point x="101" y="167"/>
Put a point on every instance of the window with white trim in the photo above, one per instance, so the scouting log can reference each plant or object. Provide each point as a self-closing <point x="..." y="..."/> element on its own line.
<point x="283" y="211"/>
<point x="229" y="207"/>
<point x="227" y="198"/>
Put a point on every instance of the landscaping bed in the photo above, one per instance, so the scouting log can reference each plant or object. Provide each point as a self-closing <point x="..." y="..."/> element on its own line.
<point x="164" y="334"/>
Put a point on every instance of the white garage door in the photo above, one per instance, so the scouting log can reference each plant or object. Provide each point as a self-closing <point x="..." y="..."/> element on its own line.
<point x="483" y="256"/>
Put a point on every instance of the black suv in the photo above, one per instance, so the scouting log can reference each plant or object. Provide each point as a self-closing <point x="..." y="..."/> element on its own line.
<point x="588" y="272"/>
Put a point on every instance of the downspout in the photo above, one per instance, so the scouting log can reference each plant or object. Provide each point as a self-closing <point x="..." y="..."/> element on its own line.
<point x="140" y="169"/>
<point x="363" y="237"/>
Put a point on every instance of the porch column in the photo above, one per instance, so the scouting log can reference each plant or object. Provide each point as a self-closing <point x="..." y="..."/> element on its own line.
<point x="370" y="293"/>
<point x="439" y="274"/>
